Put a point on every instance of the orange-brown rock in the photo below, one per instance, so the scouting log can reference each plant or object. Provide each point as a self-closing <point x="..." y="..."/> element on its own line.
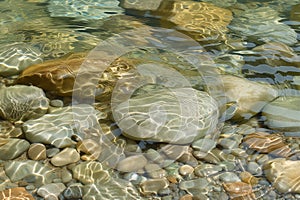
<point x="239" y="191"/>
<point x="267" y="143"/>
<point x="246" y="177"/>
<point x="57" y="75"/>
<point x="18" y="193"/>
<point x="283" y="174"/>
<point x="204" y="20"/>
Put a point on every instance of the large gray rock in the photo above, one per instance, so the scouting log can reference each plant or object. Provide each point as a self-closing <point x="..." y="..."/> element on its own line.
<point x="30" y="171"/>
<point x="283" y="114"/>
<point x="11" y="148"/>
<point x="177" y="116"/>
<point x="57" y="127"/>
<point x="22" y="102"/>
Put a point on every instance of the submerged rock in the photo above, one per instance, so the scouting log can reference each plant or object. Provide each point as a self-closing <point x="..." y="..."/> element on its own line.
<point x="114" y="189"/>
<point x="65" y="157"/>
<point x="14" y="58"/>
<point x="30" y="171"/>
<point x="283" y="174"/>
<point x="283" y="114"/>
<point x="51" y="191"/>
<point x="267" y="143"/>
<point x="84" y="10"/>
<point x="249" y="96"/>
<point x="12" y="148"/>
<point x="57" y="76"/>
<point x="16" y="193"/>
<point x="141" y="5"/>
<point x="59" y="126"/>
<point x="263" y="25"/>
<point x="177" y="116"/>
<point x="22" y="102"/>
<point x="204" y="21"/>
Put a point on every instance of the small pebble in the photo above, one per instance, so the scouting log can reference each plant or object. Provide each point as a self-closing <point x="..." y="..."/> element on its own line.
<point x="152" y="186"/>
<point x="254" y="168"/>
<point x="229" y="177"/>
<point x="132" y="163"/>
<point x="186" y="170"/>
<point x="51" y="191"/>
<point x="57" y="103"/>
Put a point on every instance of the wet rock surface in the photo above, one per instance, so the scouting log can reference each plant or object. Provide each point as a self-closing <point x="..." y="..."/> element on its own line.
<point x="21" y="102"/>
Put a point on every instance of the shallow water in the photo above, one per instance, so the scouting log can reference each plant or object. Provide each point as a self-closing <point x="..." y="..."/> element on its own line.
<point x="187" y="99"/>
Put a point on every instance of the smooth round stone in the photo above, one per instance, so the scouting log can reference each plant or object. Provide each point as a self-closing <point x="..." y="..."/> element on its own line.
<point x="57" y="127"/>
<point x="168" y="110"/>
<point x="15" y="194"/>
<point x="229" y="177"/>
<point x="195" y="186"/>
<point x="132" y="163"/>
<point x="204" y="145"/>
<point x="74" y="191"/>
<point x="189" y="159"/>
<point x="12" y="148"/>
<point x="152" y="186"/>
<point x="283" y="174"/>
<point x="30" y="171"/>
<point x="186" y="197"/>
<point x="250" y="96"/>
<point x="90" y="172"/>
<point x="37" y="151"/>
<point x="66" y="176"/>
<point x="228" y="143"/>
<point x="205" y="170"/>
<point x="154" y="156"/>
<point x="51" y="191"/>
<point x="186" y="170"/>
<point x="155" y="171"/>
<point x="14" y="58"/>
<point x="254" y="168"/>
<point x="20" y="102"/>
<point x="57" y="103"/>
<point x="91" y="148"/>
<point x="65" y="157"/>
<point x="52" y="152"/>
<point x="283" y="114"/>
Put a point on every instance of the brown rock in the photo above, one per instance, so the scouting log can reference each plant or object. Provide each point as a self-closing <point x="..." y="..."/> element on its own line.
<point x="246" y="177"/>
<point x="267" y="143"/>
<point x="91" y="148"/>
<point x="57" y="76"/>
<point x="37" y="151"/>
<point x="239" y="190"/>
<point x="203" y="20"/>
<point x="283" y="174"/>
<point x="18" y="193"/>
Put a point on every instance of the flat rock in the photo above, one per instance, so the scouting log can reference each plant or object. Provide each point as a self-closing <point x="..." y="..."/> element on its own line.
<point x="14" y="58"/>
<point x="132" y="163"/>
<point x="283" y="114"/>
<point x="253" y="23"/>
<point x="30" y="171"/>
<point x="51" y="191"/>
<point x="249" y="96"/>
<point x="178" y="116"/>
<point x="65" y="157"/>
<point x="84" y="10"/>
<point x="59" y="126"/>
<point x="12" y="148"/>
<point x="90" y="172"/>
<point x="16" y="193"/>
<point x="152" y="186"/>
<point x="20" y="102"/>
<point x="283" y="174"/>
<point x="267" y="143"/>
<point x="204" y="20"/>
<point x="57" y="75"/>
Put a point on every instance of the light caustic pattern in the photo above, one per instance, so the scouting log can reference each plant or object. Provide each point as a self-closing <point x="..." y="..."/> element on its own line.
<point x="152" y="101"/>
